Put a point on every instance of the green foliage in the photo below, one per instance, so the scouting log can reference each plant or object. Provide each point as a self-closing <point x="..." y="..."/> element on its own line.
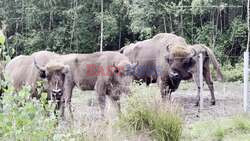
<point x="231" y="73"/>
<point x="23" y="118"/>
<point x="145" y="112"/>
<point x="198" y="6"/>
<point x="74" y="26"/>
<point x="204" y="35"/>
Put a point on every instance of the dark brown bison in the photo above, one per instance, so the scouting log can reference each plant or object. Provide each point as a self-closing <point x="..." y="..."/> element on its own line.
<point x="166" y="58"/>
<point x="104" y="72"/>
<point x="208" y="57"/>
<point x="27" y="70"/>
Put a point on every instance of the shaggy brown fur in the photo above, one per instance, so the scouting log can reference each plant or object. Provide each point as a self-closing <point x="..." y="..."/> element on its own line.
<point x="22" y="70"/>
<point x="167" y="52"/>
<point x="105" y="85"/>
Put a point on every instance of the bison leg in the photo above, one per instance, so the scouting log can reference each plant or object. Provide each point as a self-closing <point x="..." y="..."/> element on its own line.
<point x="116" y="101"/>
<point x="102" y="103"/>
<point x="197" y="82"/>
<point x="66" y="98"/>
<point x="208" y="79"/>
<point x="165" y="91"/>
<point x="148" y="81"/>
<point x="101" y="91"/>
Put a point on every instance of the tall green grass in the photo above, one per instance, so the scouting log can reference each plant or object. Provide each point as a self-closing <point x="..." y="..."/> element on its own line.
<point x="146" y="112"/>
<point x="23" y="118"/>
<point x="235" y="128"/>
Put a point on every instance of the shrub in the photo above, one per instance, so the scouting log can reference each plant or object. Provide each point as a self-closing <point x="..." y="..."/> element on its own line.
<point x="233" y="73"/>
<point x="146" y="112"/>
<point x="23" y="118"/>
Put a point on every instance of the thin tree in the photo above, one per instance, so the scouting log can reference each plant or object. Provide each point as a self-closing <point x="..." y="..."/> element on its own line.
<point x="101" y="45"/>
<point x="248" y="16"/>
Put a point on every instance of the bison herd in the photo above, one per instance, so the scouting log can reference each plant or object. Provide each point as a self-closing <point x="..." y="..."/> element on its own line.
<point x="165" y="59"/>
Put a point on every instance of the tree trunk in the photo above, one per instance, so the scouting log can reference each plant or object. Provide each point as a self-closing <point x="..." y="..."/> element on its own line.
<point x="165" y="26"/>
<point x="192" y="29"/>
<point x="101" y="44"/>
<point x="171" y="24"/>
<point x="248" y="16"/>
<point x="182" y="33"/>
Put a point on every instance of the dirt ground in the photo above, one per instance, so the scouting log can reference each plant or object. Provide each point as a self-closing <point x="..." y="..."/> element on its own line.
<point x="229" y="102"/>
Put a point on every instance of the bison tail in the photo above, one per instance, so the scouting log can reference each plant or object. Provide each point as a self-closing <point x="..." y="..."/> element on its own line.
<point x="214" y="62"/>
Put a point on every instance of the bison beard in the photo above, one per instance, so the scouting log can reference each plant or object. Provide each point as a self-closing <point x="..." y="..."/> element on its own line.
<point x="173" y="84"/>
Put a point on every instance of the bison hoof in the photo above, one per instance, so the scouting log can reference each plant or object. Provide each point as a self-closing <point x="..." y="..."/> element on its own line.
<point x="213" y="102"/>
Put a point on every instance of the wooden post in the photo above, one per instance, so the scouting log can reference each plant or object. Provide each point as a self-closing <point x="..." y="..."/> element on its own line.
<point x="246" y="96"/>
<point x="201" y="80"/>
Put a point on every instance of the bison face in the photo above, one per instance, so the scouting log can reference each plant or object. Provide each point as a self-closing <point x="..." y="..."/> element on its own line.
<point x="122" y="76"/>
<point x="180" y="68"/>
<point x="56" y="81"/>
<point x="55" y="74"/>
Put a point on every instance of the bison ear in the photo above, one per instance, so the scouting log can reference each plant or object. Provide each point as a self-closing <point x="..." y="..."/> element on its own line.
<point x="42" y="74"/>
<point x="167" y="48"/>
<point x="41" y="70"/>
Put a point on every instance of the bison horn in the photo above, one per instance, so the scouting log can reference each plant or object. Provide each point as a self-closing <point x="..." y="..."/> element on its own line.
<point x="193" y="53"/>
<point x="41" y="70"/>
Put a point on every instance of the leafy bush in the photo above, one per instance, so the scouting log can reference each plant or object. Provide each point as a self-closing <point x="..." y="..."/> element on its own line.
<point x="231" y="73"/>
<point x="23" y="118"/>
<point x="146" y="112"/>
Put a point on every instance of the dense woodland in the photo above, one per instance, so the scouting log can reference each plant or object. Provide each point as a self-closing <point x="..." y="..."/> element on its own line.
<point x="74" y="25"/>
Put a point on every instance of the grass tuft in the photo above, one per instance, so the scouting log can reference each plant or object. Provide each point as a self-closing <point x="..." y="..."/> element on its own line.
<point x="145" y="111"/>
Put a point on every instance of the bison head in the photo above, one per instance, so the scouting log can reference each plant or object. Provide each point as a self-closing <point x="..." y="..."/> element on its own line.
<point x="54" y="73"/>
<point x="180" y="61"/>
<point x="122" y="76"/>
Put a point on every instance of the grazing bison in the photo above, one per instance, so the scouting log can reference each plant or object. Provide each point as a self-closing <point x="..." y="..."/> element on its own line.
<point x="27" y="70"/>
<point x="104" y="72"/>
<point x="166" y="58"/>
<point x="208" y="57"/>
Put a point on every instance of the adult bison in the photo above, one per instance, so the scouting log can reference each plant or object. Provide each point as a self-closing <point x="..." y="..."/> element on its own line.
<point x="27" y="70"/>
<point x="166" y="58"/>
<point x="208" y="57"/>
<point x="104" y="72"/>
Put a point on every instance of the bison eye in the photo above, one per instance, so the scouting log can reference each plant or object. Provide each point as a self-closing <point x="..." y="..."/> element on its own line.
<point x="116" y="71"/>
<point x="188" y="63"/>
